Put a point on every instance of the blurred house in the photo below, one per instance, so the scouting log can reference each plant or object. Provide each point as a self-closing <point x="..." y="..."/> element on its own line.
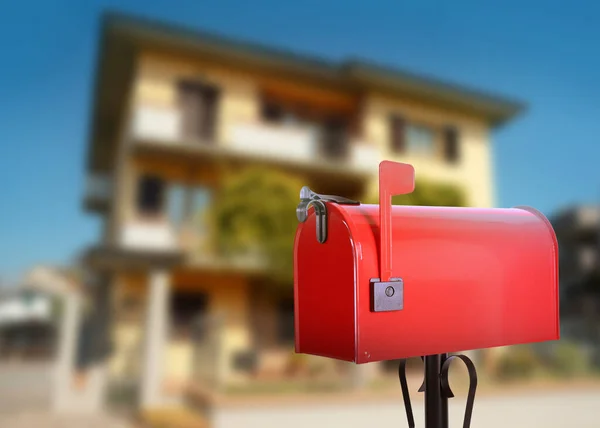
<point x="27" y="323"/>
<point x="578" y="233"/>
<point x="174" y="107"/>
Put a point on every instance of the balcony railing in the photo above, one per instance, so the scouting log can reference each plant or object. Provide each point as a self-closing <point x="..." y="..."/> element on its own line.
<point x="157" y="123"/>
<point x="158" y="236"/>
<point x="299" y="145"/>
<point x="364" y="157"/>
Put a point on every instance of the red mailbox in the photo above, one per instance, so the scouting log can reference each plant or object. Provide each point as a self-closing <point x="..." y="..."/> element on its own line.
<point x="383" y="282"/>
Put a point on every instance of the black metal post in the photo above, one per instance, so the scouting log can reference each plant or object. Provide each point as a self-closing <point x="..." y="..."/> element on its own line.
<point x="436" y="387"/>
<point x="436" y="404"/>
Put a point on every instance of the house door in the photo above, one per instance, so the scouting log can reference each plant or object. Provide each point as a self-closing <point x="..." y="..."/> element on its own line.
<point x="186" y="307"/>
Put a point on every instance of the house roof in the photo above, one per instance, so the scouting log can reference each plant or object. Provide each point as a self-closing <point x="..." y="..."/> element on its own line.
<point x="122" y="36"/>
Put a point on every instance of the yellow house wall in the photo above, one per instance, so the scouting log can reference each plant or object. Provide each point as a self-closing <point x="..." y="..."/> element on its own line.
<point x="473" y="172"/>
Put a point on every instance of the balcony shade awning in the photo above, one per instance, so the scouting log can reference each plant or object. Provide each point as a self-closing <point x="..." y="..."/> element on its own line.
<point x="114" y="258"/>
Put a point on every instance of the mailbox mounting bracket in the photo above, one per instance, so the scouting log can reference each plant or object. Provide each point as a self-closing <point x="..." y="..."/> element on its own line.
<point x="436" y="387"/>
<point x="308" y="198"/>
<point x="387" y="296"/>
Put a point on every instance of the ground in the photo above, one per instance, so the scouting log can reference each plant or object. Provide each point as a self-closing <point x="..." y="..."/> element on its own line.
<point x="25" y="397"/>
<point x="555" y="409"/>
<point x="25" y="401"/>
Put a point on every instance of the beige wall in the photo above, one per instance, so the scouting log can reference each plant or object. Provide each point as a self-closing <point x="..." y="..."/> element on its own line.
<point x="473" y="171"/>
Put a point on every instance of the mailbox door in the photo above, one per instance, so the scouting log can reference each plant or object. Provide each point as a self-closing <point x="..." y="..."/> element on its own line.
<point x="324" y="289"/>
<point x="472" y="278"/>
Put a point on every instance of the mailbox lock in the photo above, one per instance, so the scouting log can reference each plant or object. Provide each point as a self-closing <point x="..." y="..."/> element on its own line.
<point x="308" y="198"/>
<point x="387" y="295"/>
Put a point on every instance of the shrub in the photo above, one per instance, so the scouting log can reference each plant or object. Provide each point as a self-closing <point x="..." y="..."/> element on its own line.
<point x="569" y="359"/>
<point x="518" y="362"/>
<point x="428" y="193"/>
<point x="255" y="211"/>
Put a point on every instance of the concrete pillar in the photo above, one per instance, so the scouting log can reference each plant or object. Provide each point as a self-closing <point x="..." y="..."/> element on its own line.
<point x="156" y="327"/>
<point x="75" y="392"/>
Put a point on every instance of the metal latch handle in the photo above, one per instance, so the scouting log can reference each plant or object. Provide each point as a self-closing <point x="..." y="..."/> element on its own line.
<point x="395" y="178"/>
<point x="308" y="198"/>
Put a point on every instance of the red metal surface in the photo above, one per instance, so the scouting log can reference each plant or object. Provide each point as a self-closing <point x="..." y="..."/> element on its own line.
<point x="323" y="304"/>
<point x="473" y="278"/>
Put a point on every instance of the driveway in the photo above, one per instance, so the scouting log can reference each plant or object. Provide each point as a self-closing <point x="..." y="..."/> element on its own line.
<point x="24" y="387"/>
<point x="25" y="393"/>
<point x="544" y="410"/>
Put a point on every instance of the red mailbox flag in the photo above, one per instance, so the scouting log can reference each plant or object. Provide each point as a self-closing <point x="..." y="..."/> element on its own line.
<point x="394" y="179"/>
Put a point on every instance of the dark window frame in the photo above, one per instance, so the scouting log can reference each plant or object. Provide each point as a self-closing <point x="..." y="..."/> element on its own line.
<point x="397" y="132"/>
<point x="188" y="314"/>
<point x="204" y="98"/>
<point x="451" y="144"/>
<point x="151" y="195"/>
<point x="335" y="138"/>
<point x="285" y="321"/>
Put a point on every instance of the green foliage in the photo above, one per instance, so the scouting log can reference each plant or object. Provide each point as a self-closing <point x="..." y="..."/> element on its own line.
<point x="255" y="212"/>
<point x="518" y="362"/>
<point x="429" y="193"/>
<point x="569" y="359"/>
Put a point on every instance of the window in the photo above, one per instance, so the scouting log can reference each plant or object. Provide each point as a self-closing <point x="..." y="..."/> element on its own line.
<point x="411" y="138"/>
<point x="188" y="314"/>
<point x="397" y="131"/>
<point x="451" y="145"/>
<point x="198" y="110"/>
<point x="420" y="139"/>
<point x="176" y="200"/>
<point x="272" y="112"/>
<point x="150" y="195"/>
<point x="245" y="361"/>
<point x="334" y="139"/>
<point x="285" y="324"/>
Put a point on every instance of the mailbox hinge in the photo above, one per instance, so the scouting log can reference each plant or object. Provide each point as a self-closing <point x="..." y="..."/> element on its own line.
<point x="308" y="198"/>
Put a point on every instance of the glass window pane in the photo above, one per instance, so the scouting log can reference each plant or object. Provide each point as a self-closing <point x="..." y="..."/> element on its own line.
<point x="176" y="204"/>
<point x="420" y="139"/>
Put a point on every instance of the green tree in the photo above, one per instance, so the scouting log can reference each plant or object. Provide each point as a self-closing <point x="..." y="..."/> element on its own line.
<point x="255" y="211"/>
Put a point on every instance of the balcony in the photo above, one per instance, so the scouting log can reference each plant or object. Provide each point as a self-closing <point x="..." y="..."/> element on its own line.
<point x="151" y="236"/>
<point x="157" y="123"/>
<point x="157" y="130"/>
<point x="164" y="237"/>
<point x="280" y="143"/>
<point x="98" y="191"/>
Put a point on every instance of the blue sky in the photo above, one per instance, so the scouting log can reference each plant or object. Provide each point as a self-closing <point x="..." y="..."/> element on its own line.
<point x="544" y="53"/>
